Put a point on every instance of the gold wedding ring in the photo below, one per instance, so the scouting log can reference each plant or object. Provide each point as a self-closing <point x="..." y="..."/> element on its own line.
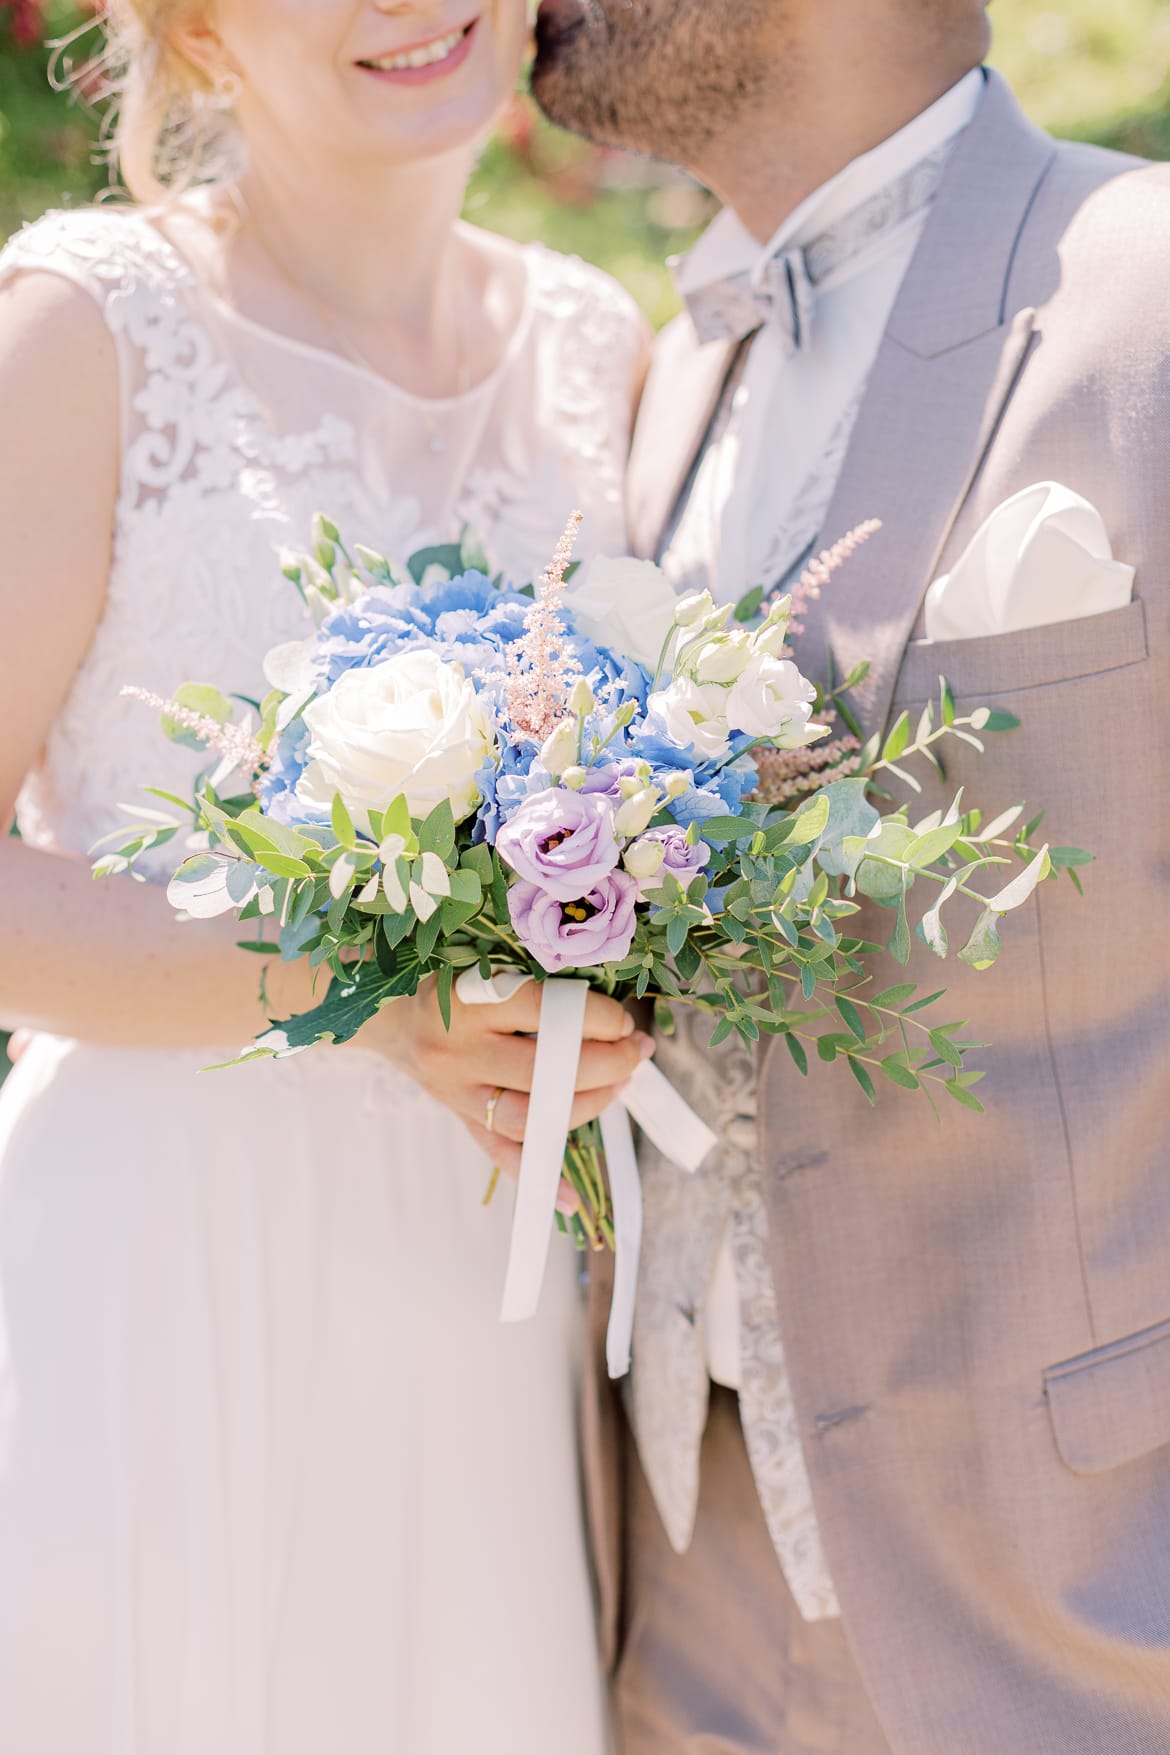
<point x="489" y="1114"/>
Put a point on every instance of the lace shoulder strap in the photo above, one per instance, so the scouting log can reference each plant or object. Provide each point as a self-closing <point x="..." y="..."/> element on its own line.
<point x="597" y="343"/>
<point x="123" y="262"/>
<point x="591" y="311"/>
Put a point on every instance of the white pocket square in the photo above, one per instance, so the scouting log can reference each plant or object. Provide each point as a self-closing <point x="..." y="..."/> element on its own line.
<point x="1043" y="556"/>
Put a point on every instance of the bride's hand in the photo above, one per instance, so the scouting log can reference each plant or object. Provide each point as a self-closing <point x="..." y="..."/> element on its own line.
<point x="492" y="1048"/>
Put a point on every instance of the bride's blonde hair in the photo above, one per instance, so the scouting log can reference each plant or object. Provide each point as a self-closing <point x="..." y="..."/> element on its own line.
<point x="164" y="125"/>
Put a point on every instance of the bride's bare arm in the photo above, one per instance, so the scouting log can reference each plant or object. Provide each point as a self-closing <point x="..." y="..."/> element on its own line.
<point x="104" y="961"/>
<point x="108" y="961"/>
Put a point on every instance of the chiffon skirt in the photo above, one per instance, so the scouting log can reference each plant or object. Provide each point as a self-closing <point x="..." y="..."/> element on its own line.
<point x="273" y="1478"/>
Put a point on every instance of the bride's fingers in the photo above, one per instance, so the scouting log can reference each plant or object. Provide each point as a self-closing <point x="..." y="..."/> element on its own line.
<point x="505" y="1156"/>
<point x="605" y="1019"/>
<point x="17" y="1043"/>
<point x="511" y="1061"/>
<point x="611" y="1063"/>
<point x="510" y="1115"/>
<point x="503" y="1153"/>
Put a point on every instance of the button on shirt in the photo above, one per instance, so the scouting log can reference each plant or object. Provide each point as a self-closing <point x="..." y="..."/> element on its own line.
<point x="763" y="487"/>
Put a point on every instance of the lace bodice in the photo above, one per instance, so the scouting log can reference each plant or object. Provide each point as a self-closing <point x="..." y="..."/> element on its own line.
<point x="233" y="436"/>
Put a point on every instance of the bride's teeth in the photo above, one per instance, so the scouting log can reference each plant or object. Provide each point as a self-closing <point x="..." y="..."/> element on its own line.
<point x="420" y="57"/>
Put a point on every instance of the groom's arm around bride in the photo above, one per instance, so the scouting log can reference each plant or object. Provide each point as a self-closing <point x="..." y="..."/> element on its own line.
<point x="954" y="1383"/>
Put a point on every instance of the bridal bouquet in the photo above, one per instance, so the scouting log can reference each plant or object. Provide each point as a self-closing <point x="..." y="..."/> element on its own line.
<point x="457" y="780"/>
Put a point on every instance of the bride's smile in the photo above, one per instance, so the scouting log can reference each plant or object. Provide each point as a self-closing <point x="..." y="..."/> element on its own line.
<point x="420" y="63"/>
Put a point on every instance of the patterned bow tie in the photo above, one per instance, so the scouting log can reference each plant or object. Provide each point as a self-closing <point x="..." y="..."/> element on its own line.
<point x="783" y="292"/>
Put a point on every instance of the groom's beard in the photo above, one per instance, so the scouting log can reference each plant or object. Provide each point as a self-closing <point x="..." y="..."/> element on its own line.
<point x="657" y="76"/>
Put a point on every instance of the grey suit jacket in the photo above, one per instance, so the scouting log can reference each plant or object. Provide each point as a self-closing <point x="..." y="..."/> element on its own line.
<point x="977" y="1311"/>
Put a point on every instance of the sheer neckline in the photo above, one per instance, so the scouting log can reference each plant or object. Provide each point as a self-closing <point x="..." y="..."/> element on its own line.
<point x="311" y="350"/>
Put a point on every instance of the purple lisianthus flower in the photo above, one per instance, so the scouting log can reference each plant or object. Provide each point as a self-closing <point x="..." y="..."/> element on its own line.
<point x="605" y="777"/>
<point x="597" y="927"/>
<point x="562" y="841"/>
<point x="681" y="860"/>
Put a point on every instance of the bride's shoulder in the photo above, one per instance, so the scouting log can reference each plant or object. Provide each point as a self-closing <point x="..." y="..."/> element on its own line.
<point x="575" y="289"/>
<point x="108" y="248"/>
<point x="568" y="293"/>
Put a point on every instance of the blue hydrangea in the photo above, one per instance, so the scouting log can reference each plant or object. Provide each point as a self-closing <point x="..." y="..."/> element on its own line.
<point x="277" y="789"/>
<point x="505" y="783"/>
<point x="611" y="675"/>
<point x="464" y="618"/>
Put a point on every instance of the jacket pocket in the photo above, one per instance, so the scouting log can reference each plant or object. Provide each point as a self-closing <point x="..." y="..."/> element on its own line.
<point x="1112" y="1405"/>
<point x="1002" y="664"/>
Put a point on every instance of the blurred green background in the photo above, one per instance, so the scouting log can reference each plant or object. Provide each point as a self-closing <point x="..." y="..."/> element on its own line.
<point x="1096" y="69"/>
<point x="1093" y="69"/>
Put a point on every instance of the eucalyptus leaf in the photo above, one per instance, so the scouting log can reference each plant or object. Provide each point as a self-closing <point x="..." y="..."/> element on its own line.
<point x="1015" y="894"/>
<point x="850" y="819"/>
<point x="349" y="1004"/>
<point x="982" y="948"/>
<point x="437" y="834"/>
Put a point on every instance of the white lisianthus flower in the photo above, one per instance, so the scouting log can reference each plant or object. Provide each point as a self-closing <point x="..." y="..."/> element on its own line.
<point x="693" y="607"/>
<point x="413" y="726"/>
<point x="559" y="749"/>
<point x="772" y="699"/>
<point x="643" y="859"/>
<point x="771" y="638"/>
<point x="636" y="812"/>
<point x="722" y="659"/>
<point x="695" y="714"/>
<point x="625" y="604"/>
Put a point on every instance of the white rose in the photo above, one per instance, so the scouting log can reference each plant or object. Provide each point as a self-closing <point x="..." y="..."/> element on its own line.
<point x="695" y="714"/>
<point x="413" y="725"/>
<point x="626" y="605"/>
<point x="772" y="699"/>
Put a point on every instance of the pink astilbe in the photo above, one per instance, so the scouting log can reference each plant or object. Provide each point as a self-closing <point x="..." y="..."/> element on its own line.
<point x="235" y="743"/>
<point x="789" y="775"/>
<point x="818" y="573"/>
<point x="540" y="669"/>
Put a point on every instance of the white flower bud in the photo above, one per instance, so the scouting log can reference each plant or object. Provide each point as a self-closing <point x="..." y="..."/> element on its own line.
<point x="722" y="659"/>
<point x="629" y="786"/>
<point x="692" y="607"/>
<point x="643" y="859"/>
<point x="581" y="699"/>
<point x="677" y="781"/>
<point x="636" y="813"/>
<point x="771" y="638"/>
<point x="574" y="778"/>
<point x="559" y="749"/>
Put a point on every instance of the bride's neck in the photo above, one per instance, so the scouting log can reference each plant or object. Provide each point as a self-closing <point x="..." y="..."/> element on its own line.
<point x="372" y="245"/>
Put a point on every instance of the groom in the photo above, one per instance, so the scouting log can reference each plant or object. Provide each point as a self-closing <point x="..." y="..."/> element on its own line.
<point x="896" y="1474"/>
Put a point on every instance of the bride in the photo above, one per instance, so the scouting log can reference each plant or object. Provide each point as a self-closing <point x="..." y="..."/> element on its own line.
<point x="273" y="1480"/>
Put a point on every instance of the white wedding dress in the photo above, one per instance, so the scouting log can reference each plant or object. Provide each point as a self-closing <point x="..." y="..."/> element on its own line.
<point x="273" y="1478"/>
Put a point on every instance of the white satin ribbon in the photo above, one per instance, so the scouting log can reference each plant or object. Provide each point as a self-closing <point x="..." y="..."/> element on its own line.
<point x="554" y="1079"/>
<point x="649" y="1098"/>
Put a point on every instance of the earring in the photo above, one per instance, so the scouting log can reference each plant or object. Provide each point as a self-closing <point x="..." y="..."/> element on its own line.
<point x="225" y="90"/>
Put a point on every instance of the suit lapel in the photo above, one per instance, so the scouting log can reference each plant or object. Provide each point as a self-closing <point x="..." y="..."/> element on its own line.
<point x="681" y="399"/>
<point x="950" y="358"/>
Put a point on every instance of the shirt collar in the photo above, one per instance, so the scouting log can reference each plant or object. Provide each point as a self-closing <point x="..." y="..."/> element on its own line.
<point x="728" y="248"/>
